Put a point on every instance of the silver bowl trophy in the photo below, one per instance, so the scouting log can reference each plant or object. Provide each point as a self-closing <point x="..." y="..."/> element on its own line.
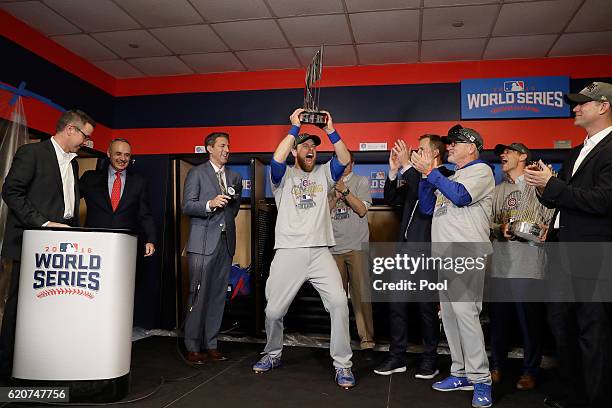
<point x="312" y="92"/>
<point x="529" y="216"/>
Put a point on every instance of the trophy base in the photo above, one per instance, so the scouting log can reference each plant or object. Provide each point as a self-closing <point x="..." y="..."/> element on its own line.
<point x="526" y="230"/>
<point x="314" y="118"/>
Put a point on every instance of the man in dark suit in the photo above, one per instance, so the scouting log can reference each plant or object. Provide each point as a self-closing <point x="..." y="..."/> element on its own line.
<point x="415" y="227"/>
<point x="212" y="199"/>
<point x="40" y="190"/>
<point x="118" y="198"/>
<point x="582" y="197"/>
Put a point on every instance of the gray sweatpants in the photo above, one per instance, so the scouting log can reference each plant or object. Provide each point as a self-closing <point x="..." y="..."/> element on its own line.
<point x="461" y="322"/>
<point x="289" y="270"/>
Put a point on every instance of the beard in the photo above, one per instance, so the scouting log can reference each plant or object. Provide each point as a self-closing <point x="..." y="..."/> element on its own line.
<point x="305" y="166"/>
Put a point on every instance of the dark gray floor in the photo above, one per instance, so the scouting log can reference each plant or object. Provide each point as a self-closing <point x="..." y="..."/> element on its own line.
<point x="305" y="381"/>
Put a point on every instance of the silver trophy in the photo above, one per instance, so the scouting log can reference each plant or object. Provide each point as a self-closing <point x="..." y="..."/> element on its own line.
<point x="312" y="115"/>
<point x="530" y="216"/>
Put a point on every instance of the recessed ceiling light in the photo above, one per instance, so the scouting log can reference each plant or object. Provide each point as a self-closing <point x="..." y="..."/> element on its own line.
<point x="458" y="24"/>
<point x="131" y="45"/>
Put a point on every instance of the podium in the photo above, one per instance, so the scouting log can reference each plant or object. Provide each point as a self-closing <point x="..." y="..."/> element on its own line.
<point x="75" y="312"/>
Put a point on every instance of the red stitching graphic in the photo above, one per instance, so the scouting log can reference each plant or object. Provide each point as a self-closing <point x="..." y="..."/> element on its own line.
<point x="65" y="291"/>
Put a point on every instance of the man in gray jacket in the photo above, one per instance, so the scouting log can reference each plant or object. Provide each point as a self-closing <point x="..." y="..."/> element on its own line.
<point x="212" y="199"/>
<point x="517" y="266"/>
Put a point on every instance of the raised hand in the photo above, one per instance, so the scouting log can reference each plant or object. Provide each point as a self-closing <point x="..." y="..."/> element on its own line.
<point x="295" y="117"/>
<point x="329" y="126"/>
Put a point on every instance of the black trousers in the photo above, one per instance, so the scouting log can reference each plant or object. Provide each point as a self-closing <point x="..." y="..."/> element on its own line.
<point x="9" y="320"/>
<point x="530" y="317"/>
<point x="430" y="330"/>
<point x="583" y="336"/>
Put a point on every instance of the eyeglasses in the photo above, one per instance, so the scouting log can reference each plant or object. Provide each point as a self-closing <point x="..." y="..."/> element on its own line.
<point x="86" y="136"/>
<point x="456" y="142"/>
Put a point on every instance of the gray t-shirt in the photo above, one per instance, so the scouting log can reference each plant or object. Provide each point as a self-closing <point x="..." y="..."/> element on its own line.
<point x="513" y="259"/>
<point x="351" y="230"/>
<point x="303" y="211"/>
<point x="469" y="223"/>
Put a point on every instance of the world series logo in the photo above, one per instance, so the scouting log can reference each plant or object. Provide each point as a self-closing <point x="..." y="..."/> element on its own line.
<point x="67" y="269"/>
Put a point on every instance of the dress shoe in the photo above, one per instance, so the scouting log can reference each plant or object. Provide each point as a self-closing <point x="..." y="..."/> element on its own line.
<point x="195" y="357"/>
<point x="552" y="402"/>
<point x="526" y="382"/>
<point x="216" y="355"/>
<point x="496" y="376"/>
<point x="368" y="354"/>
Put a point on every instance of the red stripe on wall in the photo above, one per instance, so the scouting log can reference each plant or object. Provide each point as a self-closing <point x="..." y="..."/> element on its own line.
<point x="536" y="134"/>
<point x="24" y="35"/>
<point x="422" y="73"/>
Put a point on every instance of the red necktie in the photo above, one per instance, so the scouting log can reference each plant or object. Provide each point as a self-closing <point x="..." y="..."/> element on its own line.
<point x="116" y="192"/>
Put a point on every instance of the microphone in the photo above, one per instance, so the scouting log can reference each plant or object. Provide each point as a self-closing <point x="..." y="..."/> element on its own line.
<point x="232" y="192"/>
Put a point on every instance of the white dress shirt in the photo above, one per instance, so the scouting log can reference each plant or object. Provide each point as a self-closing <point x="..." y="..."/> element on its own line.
<point x="216" y="169"/>
<point x="63" y="160"/>
<point x="589" y="144"/>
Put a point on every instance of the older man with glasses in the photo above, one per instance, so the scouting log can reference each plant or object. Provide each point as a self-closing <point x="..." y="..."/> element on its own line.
<point x="40" y="190"/>
<point x="461" y="205"/>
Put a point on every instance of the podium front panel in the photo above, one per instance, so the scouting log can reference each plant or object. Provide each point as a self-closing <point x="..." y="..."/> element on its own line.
<point x="76" y="302"/>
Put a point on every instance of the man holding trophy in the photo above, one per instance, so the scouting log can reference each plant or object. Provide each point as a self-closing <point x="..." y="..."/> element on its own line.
<point x="518" y="264"/>
<point x="303" y="235"/>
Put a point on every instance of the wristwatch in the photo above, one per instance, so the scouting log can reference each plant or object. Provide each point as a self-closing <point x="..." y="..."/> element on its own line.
<point x="345" y="192"/>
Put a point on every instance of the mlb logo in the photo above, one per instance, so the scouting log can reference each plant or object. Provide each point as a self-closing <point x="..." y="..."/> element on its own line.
<point x="306" y="197"/>
<point x="378" y="175"/>
<point x="69" y="247"/>
<point x="514" y="86"/>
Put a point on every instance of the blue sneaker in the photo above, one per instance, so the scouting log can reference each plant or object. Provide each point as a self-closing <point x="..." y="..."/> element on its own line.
<point x="345" y="378"/>
<point x="452" y="383"/>
<point x="482" y="396"/>
<point x="266" y="363"/>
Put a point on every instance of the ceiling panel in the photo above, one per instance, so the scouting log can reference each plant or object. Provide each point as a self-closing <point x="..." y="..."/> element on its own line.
<point x="316" y="30"/>
<point x="436" y="3"/>
<point x="161" y="66"/>
<point x="229" y="10"/>
<point x="538" y="17"/>
<point x="475" y="21"/>
<point x="285" y="8"/>
<point x="385" y="26"/>
<point x="119" y="69"/>
<point x="41" y="17"/>
<point x="85" y="46"/>
<point x="373" y="5"/>
<point x="156" y="13"/>
<point x="133" y="43"/>
<point x="532" y="46"/>
<point x="388" y="53"/>
<point x="213" y="62"/>
<point x="583" y="44"/>
<point x="189" y="39"/>
<point x="269" y="59"/>
<point x="452" y="50"/>
<point x="236" y="35"/>
<point x="333" y="55"/>
<point x="594" y="15"/>
<point x="93" y="15"/>
<point x="251" y="34"/>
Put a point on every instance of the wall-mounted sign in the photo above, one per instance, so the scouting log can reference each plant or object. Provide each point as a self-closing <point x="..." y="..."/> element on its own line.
<point x="521" y="97"/>
<point x="365" y="146"/>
